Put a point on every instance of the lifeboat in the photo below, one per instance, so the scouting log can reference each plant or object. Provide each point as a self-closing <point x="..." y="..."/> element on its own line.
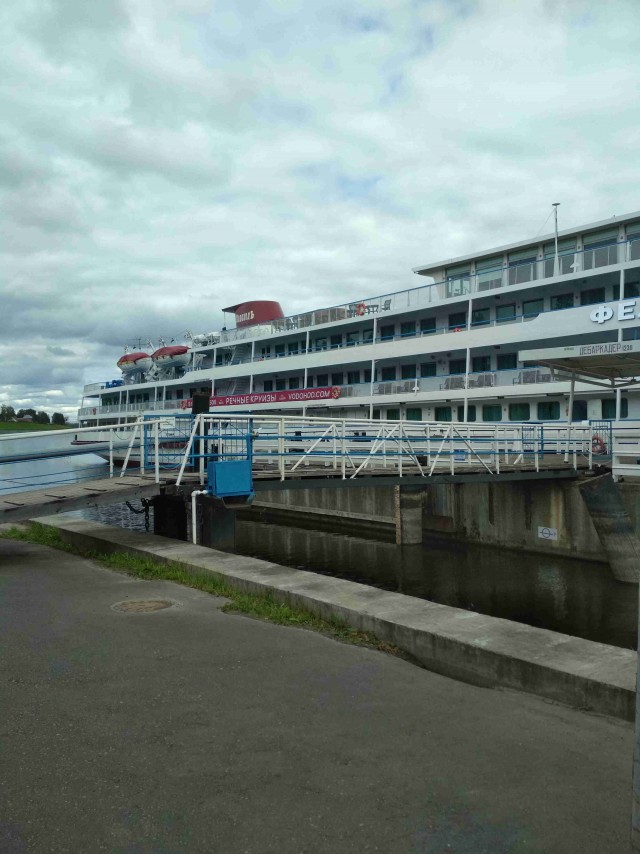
<point x="131" y="362"/>
<point x="174" y="356"/>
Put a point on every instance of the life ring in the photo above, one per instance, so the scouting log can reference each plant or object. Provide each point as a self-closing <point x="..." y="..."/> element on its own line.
<point x="335" y="392"/>
<point x="361" y="309"/>
<point x="598" y="445"/>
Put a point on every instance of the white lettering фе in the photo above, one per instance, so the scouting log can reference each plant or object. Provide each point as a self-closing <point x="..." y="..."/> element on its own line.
<point x="626" y="311"/>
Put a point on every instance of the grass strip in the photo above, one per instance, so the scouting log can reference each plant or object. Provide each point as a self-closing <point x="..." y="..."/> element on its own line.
<point x="262" y="607"/>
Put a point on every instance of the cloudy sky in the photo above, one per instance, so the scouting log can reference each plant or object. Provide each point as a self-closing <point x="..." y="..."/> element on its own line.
<point x="160" y="159"/>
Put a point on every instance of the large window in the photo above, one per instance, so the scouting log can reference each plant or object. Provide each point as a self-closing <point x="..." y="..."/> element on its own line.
<point x="548" y="410"/>
<point x="600" y="249"/>
<point x="458" y="320"/>
<point x="294" y="383"/>
<point x="566" y="257"/>
<point x="442" y="413"/>
<point x="428" y="369"/>
<point x="321" y="344"/>
<point x="279" y="350"/>
<point x="609" y="408"/>
<point x="480" y="364"/>
<point x="393" y="415"/>
<point x="591" y="296"/>
<point x="427" y="325"/>
<point x="480" y="316"/>
<point x="519" y="412"/>
<point x="322" y="380"/>
<point x="292" y="348"/>
<point x="336" y="341"/>
<point x="492" y="412"/>
<point x="388" y="374"/>
<point x="407" y="372"/>
<point x="633" y="236"/>
<point x="471" y="413"/>
<point x="489" y="273"/>
<point x="367" y="335"/>
<point x="353" y="377"/>
<point x="281" y="385"/>
<point x="532" y="307"/>
<point x="505" y="313"/>
<point x="561" y="301"/>
<point x="457" y="366"/>
<point x="352" y="338"/>
<point x="337" y="378"/>
<point x="267" y="385"/>
<point x="408" y="329"/>
<point x="414" y="413"/>
<point x="522" y="266"/>
<point x="387" y="333"/>
<point x="458" y="280"/>
<point x="507" y="361"/>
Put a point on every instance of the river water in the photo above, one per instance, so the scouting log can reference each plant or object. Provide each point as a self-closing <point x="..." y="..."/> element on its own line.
<point x="574" y="597"/>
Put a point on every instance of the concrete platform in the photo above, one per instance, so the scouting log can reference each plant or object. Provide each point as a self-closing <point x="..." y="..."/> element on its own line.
<point x="465" y="645"/>
<point x="190" y="730"/>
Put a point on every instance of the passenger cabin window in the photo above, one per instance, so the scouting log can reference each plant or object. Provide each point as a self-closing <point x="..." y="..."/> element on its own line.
<point x="532" y="307"/>
<point x="322" y="380"/>
<point x="337" y="379"/>
<point x="336" y="341"/>
<point x="321" y="344"/>
<point x="408" y="329"/>
<point x="414" y="413"/>
<point x="281" y="385"/>
<point x="519" y="412"/>
<point x="428" y="369"/>
<point x="352" y="338"/>
<point x="293" y="348"/>
<point x="267" y="385"/>
<point x="442" y="413"/>
<point x="600" y="249"/>
<point x="471" y="413"/>
<point x="457" y="366"/>
<point x="567" y="259"/>
<point x="408" y="372"/>
<point x="609" y="408"/>
<point x="489" y="274"/>
<point x="387" y="333"/>
<point x="458" y="280"/>
<point x="480" y="364"/>
<point x="388" y="374"/>
<point x="561" y="301"/>
<point x="353" y="377"/>
<point x="481" y="316"/>
<point x="279" y="350"/>
<point x="548" y="410"/>
<point x="427" y="325"/>
<point x="492" y="412"/>
<point x="591" y="296"/>
<point x="505" y="313"/>
<point x="522" y="266"/>
<point x="294" y="383"/>
<point x="507" y="361"/>
<point x="367" y="335"/>
<point x="458" y="320"/>
<point x="393" y="415"/>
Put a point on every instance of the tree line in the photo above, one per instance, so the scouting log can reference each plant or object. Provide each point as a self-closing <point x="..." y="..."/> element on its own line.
<point x="8" y="413"/>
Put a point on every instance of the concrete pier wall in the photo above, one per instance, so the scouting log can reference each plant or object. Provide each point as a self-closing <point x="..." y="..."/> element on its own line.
<point x="499" y="514"/>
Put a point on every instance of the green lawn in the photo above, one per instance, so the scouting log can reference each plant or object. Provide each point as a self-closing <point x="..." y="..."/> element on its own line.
<point x="26" y="427"/>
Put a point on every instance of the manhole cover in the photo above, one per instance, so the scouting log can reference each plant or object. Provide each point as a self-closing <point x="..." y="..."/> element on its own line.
<point x="143" y="606"/>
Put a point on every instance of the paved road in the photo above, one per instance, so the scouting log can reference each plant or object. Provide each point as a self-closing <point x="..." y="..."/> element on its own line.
<point x="189" y="730"/>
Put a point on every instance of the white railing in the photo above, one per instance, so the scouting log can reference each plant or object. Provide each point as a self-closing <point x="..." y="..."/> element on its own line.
<point x="292" y="447"/>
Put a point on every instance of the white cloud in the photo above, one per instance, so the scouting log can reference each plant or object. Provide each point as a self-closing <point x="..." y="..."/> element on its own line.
<point x="158" y="160"/>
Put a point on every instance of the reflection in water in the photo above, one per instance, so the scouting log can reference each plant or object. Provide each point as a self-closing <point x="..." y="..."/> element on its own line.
<point x="574" y="597"/>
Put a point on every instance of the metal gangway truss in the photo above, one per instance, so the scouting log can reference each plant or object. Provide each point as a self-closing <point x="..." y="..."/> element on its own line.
<point x="285" y="448"/>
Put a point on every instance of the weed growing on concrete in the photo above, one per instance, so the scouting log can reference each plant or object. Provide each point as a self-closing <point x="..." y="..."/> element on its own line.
<point x="262" y="607"/>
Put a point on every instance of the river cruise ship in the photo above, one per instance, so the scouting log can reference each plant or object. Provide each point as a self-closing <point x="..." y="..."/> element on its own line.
<point x="444" y="350"/>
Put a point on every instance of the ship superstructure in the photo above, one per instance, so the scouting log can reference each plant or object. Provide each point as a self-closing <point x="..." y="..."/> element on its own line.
<point x="445" y="350"/>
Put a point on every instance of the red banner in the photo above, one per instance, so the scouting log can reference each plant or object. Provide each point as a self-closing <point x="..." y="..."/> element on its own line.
<point x="301" y="394"/>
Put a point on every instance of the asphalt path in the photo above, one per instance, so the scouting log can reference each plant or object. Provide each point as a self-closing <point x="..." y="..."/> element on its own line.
<point x="190" y="730"/>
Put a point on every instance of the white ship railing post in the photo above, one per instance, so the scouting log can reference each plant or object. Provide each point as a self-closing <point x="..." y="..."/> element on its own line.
<point x="111" y="453"/>
<point x="156" y="442"/>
